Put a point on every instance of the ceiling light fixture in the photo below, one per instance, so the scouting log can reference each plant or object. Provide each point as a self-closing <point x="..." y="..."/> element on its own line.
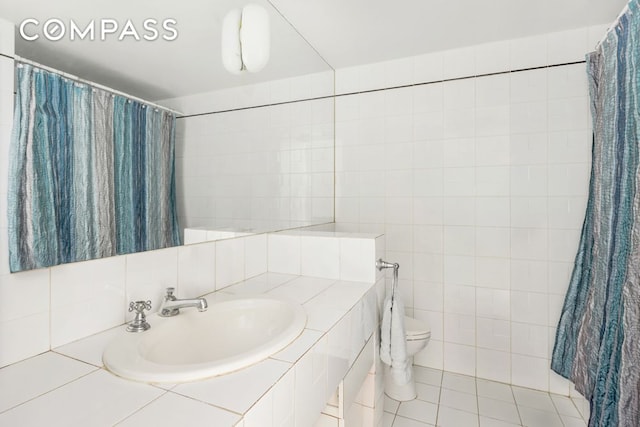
<point x="246" y="39"/>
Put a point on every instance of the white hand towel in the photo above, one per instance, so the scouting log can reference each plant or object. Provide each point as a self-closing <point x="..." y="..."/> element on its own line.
<point x="393" y="344"/>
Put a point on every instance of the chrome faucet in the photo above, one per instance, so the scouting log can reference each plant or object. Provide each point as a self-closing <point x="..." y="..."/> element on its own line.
<point x="171" y="305"/>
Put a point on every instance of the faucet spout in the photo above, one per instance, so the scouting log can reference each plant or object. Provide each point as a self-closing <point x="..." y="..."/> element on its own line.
<point x="171" y="305"/>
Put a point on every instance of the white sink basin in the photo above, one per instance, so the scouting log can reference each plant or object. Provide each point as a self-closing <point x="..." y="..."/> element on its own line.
<point x="194" y="345"/>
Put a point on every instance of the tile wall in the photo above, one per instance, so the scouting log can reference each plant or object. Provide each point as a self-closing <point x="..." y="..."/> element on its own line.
<point x="268" y="167"/>
<point x="257" y="156"/>
<point x="479" y="182"/>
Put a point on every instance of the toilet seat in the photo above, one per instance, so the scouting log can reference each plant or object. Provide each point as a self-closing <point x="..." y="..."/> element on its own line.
<point x="416" y="329"/>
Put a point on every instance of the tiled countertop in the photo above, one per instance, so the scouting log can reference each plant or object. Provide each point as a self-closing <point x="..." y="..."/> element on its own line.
<point x="69" y="386"/>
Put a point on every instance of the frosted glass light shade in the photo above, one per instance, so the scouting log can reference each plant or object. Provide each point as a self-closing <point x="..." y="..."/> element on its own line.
<point x="246" y="39"/>
<point x="255" y="37"/>
<point x="231" y="50"/>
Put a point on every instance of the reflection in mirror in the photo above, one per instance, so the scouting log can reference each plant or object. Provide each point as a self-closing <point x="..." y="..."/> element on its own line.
<point x="254" y="152"/>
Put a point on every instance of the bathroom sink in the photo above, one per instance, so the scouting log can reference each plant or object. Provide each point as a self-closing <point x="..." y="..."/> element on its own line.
<point x="194" y="345"/>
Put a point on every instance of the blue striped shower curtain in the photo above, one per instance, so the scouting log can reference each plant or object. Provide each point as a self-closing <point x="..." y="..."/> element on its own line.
<point x="91" y="173"/>
<point x="598" y="338"/>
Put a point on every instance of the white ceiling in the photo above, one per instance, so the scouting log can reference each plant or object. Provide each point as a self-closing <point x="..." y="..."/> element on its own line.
<point x="351" y="32"/>
<point x="343" y="32"/>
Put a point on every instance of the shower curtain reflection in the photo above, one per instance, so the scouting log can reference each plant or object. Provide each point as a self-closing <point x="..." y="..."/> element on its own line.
<point x="91" y="173"/>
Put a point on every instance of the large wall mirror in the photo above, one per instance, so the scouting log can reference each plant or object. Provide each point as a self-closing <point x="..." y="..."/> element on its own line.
<point x="254" y="152"/>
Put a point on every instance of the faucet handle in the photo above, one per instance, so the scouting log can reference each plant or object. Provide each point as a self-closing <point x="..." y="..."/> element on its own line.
<point x="140" y="306"/>
<point x="139" y="323"/>
<point x="170" y="292"/>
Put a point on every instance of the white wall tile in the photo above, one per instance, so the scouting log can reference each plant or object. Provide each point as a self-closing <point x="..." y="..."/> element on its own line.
<point x="492" y="57"/>
<point x="24" y="337"/>
<point x="428" y="67"/>
<point x="460" y="329"/>
<point x="530" y="212"/>
<point x="530" y="372"/>
<point x="493" y="303"/>
<point x="459" y="299"/>
<point x="357" y="259"/>
<point x="230" y="262"/>
<point x="459" y="211"/>
<point x="31" y="286"/>
<point x="492" y="212"/>
<point x="284" y="253"/>
<point x="529" y="307"/>
<point x="428" y="267"/>
<point x="255" y="255"/>
<point x="459" y="240"/>
<point x="529" y="340"/>
<point x="460" y="359"/>
<point x="86" y="297"/>
<point x="320" y="257"/>
<point x="567" y="46"/>
<point x="563" y="245"/>
<point x="494" y="365"/>
<point x="196" y="270"/>
<point x="528" y="275"/>
<point x="494" y="334"/>
<point x="529" y="117"/>
<point x="493" y="272"/>
<point x="459" y="63"/>
<point x="7" y="37"/>
<point x="528" y="52"/>
<point x="459" y="270"/>
<point x="529" y="148"/>
<point x="529" y="86"/>
<point x="492" y="241"/>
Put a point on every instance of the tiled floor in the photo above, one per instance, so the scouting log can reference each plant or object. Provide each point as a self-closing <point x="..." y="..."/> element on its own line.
<point x="451" y="400"/>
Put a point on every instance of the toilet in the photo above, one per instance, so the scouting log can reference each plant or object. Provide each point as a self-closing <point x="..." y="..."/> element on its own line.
<point x="417" y="333"/>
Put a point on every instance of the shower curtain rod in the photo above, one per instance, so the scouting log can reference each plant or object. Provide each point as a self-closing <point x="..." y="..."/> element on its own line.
<point x="95" y="85"/>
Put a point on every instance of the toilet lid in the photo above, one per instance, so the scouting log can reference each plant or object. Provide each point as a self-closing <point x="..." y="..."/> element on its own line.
<point x="416" y="329"/>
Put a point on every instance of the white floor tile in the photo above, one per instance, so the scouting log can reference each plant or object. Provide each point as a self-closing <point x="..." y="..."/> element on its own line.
<point x="582" y="404"/>
<point x="497" y="409"/>
<point x="532" y="417"/>
<point x="97" y="399"/>
<point x="428" y="393"/>
<point x="418" y="410"/>
<point x="408" y="422"/>
<point x="174" y="410"/>
<point x="390" y="405"/>
<point x="573" y="422"/>
<point x="490" y="422"/>
<point x="494" y="390"/>
<point x="427" y="376"/>
<point x="387" y="419"/>
<point x="449" y="417"/>
<point x="458" y="400"/>
<point x="565" y="406"/>
<point x="30" y="378"/>
<point x="533" y="399"/>
<point x="459" y="382"/>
